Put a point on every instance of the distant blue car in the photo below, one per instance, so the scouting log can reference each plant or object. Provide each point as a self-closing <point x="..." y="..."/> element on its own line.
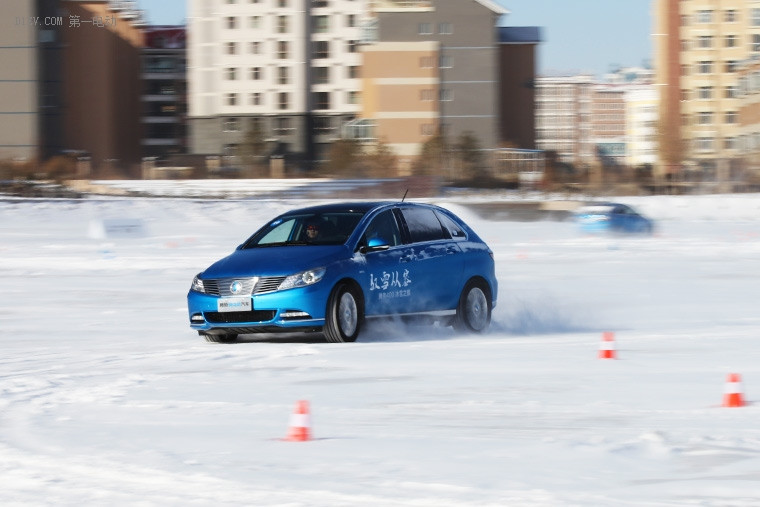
<point x="612" y="217"/>
<point x="327" y="268"/>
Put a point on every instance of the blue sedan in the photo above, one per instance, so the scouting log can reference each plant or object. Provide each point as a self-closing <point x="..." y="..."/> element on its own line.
<point x="327" y="268"/>
<point x="612" y="217"/>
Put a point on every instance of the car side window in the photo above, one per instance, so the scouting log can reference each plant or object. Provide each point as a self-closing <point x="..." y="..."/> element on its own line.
<point x="454" y="230"/>
<point x="383" y="227"/>
<point x="422" y="224"/>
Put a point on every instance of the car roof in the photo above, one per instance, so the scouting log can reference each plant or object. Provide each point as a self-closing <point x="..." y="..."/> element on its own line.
<point x="359" y="206"/>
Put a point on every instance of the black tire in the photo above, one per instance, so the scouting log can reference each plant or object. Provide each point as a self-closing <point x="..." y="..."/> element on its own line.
<point x="474" y="309"/>
<point x="219" y="338"/>
<point x="345" y="314"/>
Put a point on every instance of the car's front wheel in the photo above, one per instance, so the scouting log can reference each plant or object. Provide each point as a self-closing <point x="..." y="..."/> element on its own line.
<point x="345" y="314"/>
<point x="220" y="338"/>
<point x="474" y="309"/>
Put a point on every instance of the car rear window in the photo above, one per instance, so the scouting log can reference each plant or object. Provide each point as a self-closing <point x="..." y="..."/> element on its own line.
<point x="422" y="224"/>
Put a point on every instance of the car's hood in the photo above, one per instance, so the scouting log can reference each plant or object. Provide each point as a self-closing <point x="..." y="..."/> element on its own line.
<point x="274" y="261"/>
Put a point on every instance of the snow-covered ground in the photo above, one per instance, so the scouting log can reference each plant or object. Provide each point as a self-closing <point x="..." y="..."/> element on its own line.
<point x="108" y="398"/>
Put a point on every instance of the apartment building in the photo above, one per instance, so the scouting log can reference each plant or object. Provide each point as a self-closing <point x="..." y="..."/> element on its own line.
<point x="30" y="80"/>
<point x="432" y="68"/>
<point x="749" y="121"/>
<point x="641" y="104"/>
<point x="517" y="96"/>
<point x="700" y="45"/>
<point x="164" y="93"/>
<point x="608" y="123"/>
<point x="286" y="68"/>
<point x="563" y="117"/>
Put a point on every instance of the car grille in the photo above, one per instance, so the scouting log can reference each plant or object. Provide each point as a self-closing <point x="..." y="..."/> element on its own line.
<point x="221" y="286"/>
<point x="236" y="317"/>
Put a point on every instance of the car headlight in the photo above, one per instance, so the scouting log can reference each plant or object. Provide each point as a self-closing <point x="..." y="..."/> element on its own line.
<point x="198" y="284"/>
<point x="302" y="279"/>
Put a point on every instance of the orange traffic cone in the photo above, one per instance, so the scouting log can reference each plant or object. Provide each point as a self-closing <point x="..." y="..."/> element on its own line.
<point x="607" y="347"/>
<point x="733" y="395"/>
<point x="300" y="423"/>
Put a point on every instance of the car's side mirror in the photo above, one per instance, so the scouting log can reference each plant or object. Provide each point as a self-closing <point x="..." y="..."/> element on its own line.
<point x="374" y="245"/>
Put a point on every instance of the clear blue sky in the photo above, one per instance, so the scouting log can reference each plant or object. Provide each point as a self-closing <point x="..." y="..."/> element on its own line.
<point x="579" y="35"/>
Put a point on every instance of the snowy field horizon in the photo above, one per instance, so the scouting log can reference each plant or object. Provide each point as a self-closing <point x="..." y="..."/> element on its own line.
<point x="107" y="397"/>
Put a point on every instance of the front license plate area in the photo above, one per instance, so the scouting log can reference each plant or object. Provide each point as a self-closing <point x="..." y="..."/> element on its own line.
<point x="234" y="305"/>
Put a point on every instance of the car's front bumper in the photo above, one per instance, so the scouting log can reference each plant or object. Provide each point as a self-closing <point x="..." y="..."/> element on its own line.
<point x="289" y="310"/>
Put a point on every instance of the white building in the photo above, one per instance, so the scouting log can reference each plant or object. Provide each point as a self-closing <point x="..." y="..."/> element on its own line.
<point x="288" y="68"/>
<point x="642" y="103"/>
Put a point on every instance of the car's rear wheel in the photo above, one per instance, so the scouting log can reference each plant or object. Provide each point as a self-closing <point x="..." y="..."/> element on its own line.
<point x="220" y="338"/>
<point x="345" y="314"/>
<point x="474" y="309"/>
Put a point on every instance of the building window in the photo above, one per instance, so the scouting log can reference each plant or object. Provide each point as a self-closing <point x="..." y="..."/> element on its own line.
<point x="320" y="24"/>
<point x="353" y="97"/>
<point x="257" y="73"/>
<point x="255" y="48"/>
<point x="730" y="143"/>
<point x="231" y="22"/>
<point x="705" y="67"/>
<point x="255" y="21"/>
<point x="231" y="48"/>
<point x="283" y="50"/>
<point x="755" y="17"/>
<point x="732" y="65"/>
<point x="704" y="41"/>
<point x="704" y="118"/>
<point x="282" y="3"/>
<point x="282" y="126"/>
<point x="283" y="100"/>
<point x="231" y="125"/>
<point x="256" y="99"/>
<point x="755" y="45"/>
<point x="684" y="94"/>
<point x="231" y="99"/>
<point x="447" y="95"/>
<point x="731" y="16"/>
<point x="445" y="29"/>
<point x="283" y="75"/>
<point x="730" y="41"/>
<point x="352" y="46"/>
<point x="282" y="24"/>
<point x="425" y="29"/>
<point x="230" y="74"/>
<point x="731" y="92"/>
<point x="447" y="62"/>
<point x="321" y="49"/>
<point x="705" y="143"/>
<point x="351" y="20"/>
<point x="321" y="75"/>
<point x="323" y="124"/>
<point x="353" y="72"/>
<point x="321" y="100"/>
<point x="320" y="3"/>
<point x="704" y="16"/>
<point x="732" y="117"/>
<point x="705" y="92"/>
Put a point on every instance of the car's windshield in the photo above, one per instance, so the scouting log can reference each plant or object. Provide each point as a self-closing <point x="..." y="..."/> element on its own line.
<point x="323" y="228"/>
